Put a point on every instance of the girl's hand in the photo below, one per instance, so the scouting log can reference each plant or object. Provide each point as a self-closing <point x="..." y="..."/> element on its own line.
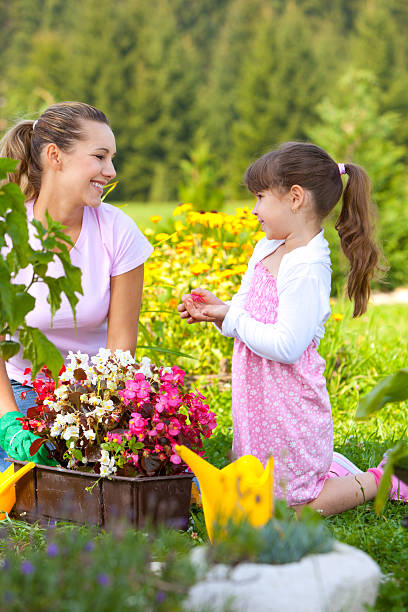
<point x="200" y="311"/>
<point x="200" y="297"/>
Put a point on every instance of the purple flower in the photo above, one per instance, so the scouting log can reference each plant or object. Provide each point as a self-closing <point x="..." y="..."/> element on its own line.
<point x="5" y="564"/>
<point x="52" y="550"/>
<point x="27" y="568"/>
<point x="103" y="579"/>
<point x="89" y="546"/>
<point x="161" y="596"/>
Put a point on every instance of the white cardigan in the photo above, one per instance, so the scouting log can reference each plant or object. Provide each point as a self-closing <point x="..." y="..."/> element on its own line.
<point x="303" y="286"/>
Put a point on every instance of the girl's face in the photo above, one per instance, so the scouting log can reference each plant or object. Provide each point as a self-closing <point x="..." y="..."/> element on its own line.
<point x="273" y="211"/>
<point x="89" y="166"/>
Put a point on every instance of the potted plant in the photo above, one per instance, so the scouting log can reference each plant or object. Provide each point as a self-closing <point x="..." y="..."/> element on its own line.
<point x="112" y="425"/>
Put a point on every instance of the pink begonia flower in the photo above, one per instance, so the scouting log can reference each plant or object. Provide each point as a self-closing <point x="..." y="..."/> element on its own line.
<point x="137" y="424"/>
<point x="173" y="398"/>
<point x="175" y="375"/>
<point x="114" y="437"/>
<point x="161" y="403"/>
<point x="175" y="459"/>
<point x="174" y="428"/>
<point x="159" y="426"/>
<point x="138" y="387"/>
<point x="134" y="458"/>
<point x="152" y="432"/>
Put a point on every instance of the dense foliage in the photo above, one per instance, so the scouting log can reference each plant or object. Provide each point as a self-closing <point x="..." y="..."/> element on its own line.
<point x="242" y="75"/>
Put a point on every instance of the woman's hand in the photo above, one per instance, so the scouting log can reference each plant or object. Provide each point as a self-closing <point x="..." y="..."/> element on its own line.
<point x="202" y="305"/>
<point x="16" y="441"/>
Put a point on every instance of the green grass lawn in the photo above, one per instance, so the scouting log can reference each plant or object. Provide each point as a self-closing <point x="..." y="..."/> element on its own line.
<point x="358" y="354"/>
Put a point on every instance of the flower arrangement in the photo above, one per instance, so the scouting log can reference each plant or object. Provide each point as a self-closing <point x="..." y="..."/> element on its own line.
<point x="111" y="415"/>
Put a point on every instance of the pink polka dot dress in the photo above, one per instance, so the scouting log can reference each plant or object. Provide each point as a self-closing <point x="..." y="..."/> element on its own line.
<point x="280" y="409"/>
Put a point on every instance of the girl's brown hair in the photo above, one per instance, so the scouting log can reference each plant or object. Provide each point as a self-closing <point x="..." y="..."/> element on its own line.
<point x="60" y="124"/>
<point x="307" y="165"/>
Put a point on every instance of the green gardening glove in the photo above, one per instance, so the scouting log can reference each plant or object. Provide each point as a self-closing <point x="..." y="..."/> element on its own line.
<point x="16" y="441"/>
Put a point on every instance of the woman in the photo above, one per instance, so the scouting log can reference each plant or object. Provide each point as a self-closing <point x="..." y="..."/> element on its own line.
<point x="66" y="159"/>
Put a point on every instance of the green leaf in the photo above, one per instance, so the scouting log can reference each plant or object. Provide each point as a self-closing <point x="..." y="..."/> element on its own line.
<point x="54" y="294"/>
<point x="397" y="455"/>
<point x="40" y="351"/>
<point x="394" y="388"/>
<point x="8" y="348"/>
<point x="76" y="453"/>
<point x="167" y="351"/>
<point x="23" y="304"/>
<point x="7" y="165"/>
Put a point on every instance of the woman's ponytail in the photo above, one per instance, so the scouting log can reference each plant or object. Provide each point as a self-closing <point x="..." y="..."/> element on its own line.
<point x="355" y="226"/>
<point x="17" y="144"/>
<point x="61" y="124"/>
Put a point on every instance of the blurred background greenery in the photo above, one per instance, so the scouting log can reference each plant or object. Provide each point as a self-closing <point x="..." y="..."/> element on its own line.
<point x="196" y="90"/>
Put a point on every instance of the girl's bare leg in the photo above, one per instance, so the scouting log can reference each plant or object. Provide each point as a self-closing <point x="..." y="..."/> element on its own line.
<point x="340" y="494"/>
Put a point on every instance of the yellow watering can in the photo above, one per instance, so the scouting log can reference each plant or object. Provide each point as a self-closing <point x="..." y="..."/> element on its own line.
<point x="7" y="489"/>
<point x="241" y="489"/>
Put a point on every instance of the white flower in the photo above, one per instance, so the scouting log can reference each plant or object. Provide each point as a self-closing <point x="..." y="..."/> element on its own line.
<point x="145" y="367"/>
<point x="78" y="359"/>
<point x="105" y="457"/>
<point x="55" y="430"/>
<point x="94" y="400"/>
<point x="107" y="464"/>
<point x="89" y="434"/>
<point x="98" y="412"/>
<point x="107" y="470"/>
<point x="61" y="392"/>
<point x="52" y="405"/>
<point x="65" y="419"/>
<point x="108" y="405"/>
<point x="71" y="432"/>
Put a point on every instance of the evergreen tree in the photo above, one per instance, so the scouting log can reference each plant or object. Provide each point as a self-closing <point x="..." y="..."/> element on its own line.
<point x="353" y="128"/>
<point x="283" y="78"/>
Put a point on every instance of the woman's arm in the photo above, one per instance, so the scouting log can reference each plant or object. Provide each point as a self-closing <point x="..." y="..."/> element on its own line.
<point x="124" y="309"/>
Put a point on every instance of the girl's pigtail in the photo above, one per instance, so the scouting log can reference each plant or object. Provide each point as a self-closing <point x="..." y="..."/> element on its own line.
<point x="17" y="144"/>
<point x="355" y="226"/>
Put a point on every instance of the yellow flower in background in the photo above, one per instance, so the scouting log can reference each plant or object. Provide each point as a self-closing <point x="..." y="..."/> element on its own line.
<point x="155" y="219"/>
<point x="179" y="226"/>
<point x="199" y="268"/>
<point x="225" y="274"/>
<point x="181" y="208"/>
<point x="148" y="231"/>
<point x="337" y="316"/>
<point x="230" y="245"/>
<point x="162" y="236"/>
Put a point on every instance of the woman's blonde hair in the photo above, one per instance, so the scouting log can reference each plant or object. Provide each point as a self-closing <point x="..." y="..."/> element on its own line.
<point x="60" y="124"/>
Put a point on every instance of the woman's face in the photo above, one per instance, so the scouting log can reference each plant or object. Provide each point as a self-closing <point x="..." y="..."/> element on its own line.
<point x="88" y="167"/>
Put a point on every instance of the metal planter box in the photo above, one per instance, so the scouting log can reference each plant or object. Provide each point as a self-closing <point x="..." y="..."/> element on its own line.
<point x="56" y="494"/>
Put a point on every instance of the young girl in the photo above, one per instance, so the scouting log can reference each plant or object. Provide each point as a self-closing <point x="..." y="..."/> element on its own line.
<point x="280" y="403"/>
<point x="66" y="159"/>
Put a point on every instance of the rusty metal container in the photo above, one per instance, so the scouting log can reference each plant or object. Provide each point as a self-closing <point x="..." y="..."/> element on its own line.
<point x="48" y="494"/>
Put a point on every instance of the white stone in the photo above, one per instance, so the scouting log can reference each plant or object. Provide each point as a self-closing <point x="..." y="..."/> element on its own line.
<point x="345" y="579"/>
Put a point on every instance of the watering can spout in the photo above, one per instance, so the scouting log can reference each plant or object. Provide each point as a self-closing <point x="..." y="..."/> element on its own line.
<point x="206" y="473"/>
